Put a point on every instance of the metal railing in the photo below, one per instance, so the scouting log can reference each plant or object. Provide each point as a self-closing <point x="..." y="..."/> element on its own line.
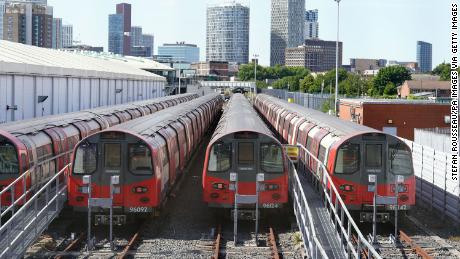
<point x="304" y="217"/>
<point x="435" y="187"/>
<point x="22" y="187"/>
<point x="26" y="225"/>
<point x="339" y="212"/>
<point x="312" y="101"/>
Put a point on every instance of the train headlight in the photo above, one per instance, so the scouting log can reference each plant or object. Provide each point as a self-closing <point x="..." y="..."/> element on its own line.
<point x="346" y="188"/>
<point x="140" y="189"/>
<point x="402" y="188"/>
<point x="214" y="195"/>
<point x="276" y="196"/>
<point x="79" y="198"/>
<point x="218" y="186"/>
<point x="144" y="199"/>
<point x="271" y="187"/>
<point x="403" y="198"/>
<point x="83" y="189"/>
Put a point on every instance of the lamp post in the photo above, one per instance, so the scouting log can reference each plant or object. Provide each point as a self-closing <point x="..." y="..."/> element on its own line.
<point x="255" y="73"/>
<point x="337" y="60"/>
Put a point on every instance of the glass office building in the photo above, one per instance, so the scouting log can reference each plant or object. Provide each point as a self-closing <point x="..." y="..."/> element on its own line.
<point x="227" y="33"/>
<point x="180" y="52"/>
<point x="424" y="56"/>
<point x="116" y="33"/>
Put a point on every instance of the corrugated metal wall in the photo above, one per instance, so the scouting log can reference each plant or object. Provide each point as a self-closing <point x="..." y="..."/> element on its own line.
<point x="438" y="138"/>
<point x="435" y="187"/>
<point x="20" y="94"/>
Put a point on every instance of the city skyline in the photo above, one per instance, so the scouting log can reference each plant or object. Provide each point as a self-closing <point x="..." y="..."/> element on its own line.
<point x="388" y="35"/>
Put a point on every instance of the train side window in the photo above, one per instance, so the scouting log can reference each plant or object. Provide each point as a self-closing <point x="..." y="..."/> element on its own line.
<point x="347" y="161"/>
<point x="140" y="159"/>
<point x="112" y="156"/>
<point x="374" y="155"/>
<point x="271" y="158"/>
<point x="85" y="159"/>
<point x="220" y="157"/>
<point x="246" y="153"/>
<point x="400" y="159"/>
<point x="9" y="163"/>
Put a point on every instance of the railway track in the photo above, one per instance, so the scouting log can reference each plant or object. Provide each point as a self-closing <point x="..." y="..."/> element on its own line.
<point x="416" y="241"/>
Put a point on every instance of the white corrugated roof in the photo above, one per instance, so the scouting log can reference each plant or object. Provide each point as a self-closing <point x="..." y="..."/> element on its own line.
<point x="136" y="62"/>
<point x="25" y="59"/>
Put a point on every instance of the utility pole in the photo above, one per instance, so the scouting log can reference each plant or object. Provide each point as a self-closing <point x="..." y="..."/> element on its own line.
<point x="337" y="60"/>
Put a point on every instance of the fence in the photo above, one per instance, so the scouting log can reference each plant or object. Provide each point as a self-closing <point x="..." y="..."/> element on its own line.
<point x="437" y="138"/>
<point x="313" y="101"/>
<point x="435" y="188"/>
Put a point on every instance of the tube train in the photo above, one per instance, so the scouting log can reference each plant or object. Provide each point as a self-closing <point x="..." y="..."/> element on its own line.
<point x="350" y="152"/>
<point x="243" y="144"/>
<point x="148" y="154"/>
<point x="45" y="144"/>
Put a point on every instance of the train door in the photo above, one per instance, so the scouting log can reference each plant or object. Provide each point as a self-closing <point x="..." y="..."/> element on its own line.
<point x="112" y="163"/>
<point x="374" y="157"/>
<point x="246" y="165"/>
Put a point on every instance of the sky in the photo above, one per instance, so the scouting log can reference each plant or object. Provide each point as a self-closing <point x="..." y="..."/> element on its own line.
<point x="387" y="29"/>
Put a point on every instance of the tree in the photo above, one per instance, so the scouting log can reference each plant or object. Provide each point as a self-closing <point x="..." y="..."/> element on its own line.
<point x="393" y="74"/>
<point x="306" y="83"/>
<point x="390" y="89"/>
<point x="352" y="85"/>
<point x="246" y="72"/>
<point x="443" y="70"/>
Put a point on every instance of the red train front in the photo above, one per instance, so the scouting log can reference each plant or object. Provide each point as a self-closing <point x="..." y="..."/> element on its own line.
<point x="147" y="154"/>
<point x="351" y="152"/>
<point x="242" y="144"/>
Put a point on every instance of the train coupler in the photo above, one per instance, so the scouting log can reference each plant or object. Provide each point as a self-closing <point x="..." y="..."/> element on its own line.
<point x="247" y="215"/>
<point x="381" y="217"/>
<point x="105" y="220"/>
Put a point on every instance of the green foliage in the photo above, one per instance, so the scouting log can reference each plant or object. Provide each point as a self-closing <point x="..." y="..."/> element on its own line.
<point x="328" y="105"/>
<point x="246" y="72"/>
<point x="261" y="84"/>
<point x="396" y="75"/>
<point x="443" y="70"/>
<point x="306" y="83"/>
<point x="291" y="83"/>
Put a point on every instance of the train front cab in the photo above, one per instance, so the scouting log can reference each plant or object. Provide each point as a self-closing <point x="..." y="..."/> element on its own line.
<point x="104" y="155"/>
<point x="245" y="153"/>
<point x="377" y="154"/>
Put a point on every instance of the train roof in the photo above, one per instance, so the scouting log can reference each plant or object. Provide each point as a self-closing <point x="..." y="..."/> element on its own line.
<point x="36" y="124"/>
<point x="334" y="125"/>
<point x="150" y="124"/>
<point x="239" y="115"/>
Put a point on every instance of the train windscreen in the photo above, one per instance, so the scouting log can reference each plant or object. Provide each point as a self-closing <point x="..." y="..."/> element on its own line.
<point x="348" y="159"/>
<point x="9" y="163"/>
<point x="400" y="159"/>
<point x="271" y="158"/>
<point x="85" y="159"/>
<point x="140" y="159"/>
<point x="220" y="157"/>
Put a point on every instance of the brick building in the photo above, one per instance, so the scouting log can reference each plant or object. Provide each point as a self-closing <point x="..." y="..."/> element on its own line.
<point x="218" y="70"/>
<point x="397" y="117"/>
<point x="316" y="55"/>
<point x="436" y="88"/>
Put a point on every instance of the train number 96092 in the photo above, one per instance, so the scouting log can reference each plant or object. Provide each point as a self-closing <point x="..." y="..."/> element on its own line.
<point x="140" y="209"/>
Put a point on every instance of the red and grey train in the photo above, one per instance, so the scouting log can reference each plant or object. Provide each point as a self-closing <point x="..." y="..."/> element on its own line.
<point x="148" y="154"/>
<point x="45" y="144"/>
<point x="350" y="152"/>
<point x="244" y="145"/>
